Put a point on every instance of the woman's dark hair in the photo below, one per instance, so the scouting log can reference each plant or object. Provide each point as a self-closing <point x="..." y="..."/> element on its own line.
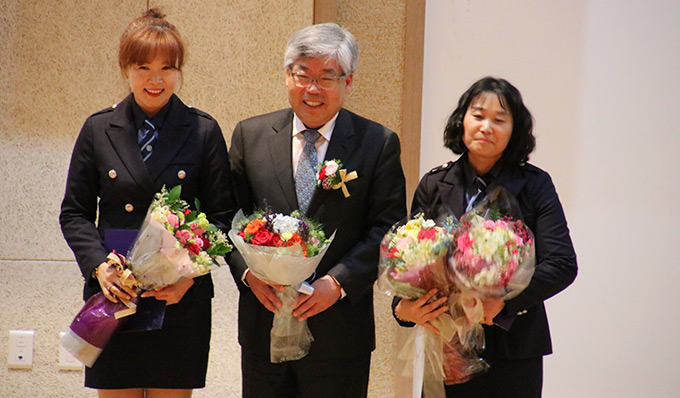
<point x="522" y="140"/>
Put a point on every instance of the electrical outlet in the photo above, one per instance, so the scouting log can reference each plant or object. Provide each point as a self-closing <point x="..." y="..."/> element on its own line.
<point x="20" y="353"/>
<point x="66" y="360"/>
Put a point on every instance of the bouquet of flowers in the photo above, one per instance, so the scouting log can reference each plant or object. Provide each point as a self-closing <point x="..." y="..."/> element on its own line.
<point x="414" y="260"/>
<point x="282" y="249"/>
<point x="494" y="254"/>
<point x="174" y="244"/>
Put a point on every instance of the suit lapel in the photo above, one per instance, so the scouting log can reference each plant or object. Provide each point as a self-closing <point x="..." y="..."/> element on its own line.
<point x="340" y="147"/>
<point x="173" y="135"/>
<point x="280" y="151"/>
<point x="123" y="138"/>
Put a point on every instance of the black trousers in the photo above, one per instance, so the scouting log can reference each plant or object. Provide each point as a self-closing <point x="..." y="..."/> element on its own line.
<point x="305" y="378"/>
<point x="505" y="378"/>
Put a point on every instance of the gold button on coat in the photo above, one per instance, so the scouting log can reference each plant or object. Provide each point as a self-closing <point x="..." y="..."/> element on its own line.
<point x="129" y="207"/>
<point x="181" y="174"/>
<point x="112" y="174"/>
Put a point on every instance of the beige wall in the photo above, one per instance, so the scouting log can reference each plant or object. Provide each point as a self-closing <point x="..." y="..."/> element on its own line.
<point x="58" y="65"/>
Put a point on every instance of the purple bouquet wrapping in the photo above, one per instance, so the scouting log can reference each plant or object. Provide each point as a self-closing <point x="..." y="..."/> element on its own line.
<point x="92" y="328"/>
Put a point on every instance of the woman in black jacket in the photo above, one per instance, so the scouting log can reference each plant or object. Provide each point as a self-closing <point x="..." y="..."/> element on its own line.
<point x="492" y="130"/>
<point x="122" y="157"/>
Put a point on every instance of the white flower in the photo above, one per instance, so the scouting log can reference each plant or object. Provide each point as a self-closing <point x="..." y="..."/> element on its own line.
<point x="428" y="224"/>
<point x="282" y="224"/>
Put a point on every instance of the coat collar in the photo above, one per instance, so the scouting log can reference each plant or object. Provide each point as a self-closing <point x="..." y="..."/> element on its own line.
<point x="172" y="137"/>
<point x="452" y="187"/>
<point x="123" y="138"/>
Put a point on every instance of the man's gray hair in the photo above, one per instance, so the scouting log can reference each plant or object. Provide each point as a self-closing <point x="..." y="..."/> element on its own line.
<point x="323" y="40"/>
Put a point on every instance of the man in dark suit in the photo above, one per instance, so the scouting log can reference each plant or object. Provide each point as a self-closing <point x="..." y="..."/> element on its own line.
<point x="268" y="156"/>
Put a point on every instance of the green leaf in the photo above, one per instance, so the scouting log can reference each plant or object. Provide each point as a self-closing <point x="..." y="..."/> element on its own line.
<point x="191" y="217"/>
<point x="197" y="203"/>
<point x="174" y="194"/>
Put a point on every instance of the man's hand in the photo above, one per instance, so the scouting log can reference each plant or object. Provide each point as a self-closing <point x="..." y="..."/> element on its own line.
<point x="326" y="293"/>
<point x="264" y="292"/>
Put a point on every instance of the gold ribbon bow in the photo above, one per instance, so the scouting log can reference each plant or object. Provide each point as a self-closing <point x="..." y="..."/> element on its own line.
<point x="345" y="177"/>
<point x="126" y="278"/>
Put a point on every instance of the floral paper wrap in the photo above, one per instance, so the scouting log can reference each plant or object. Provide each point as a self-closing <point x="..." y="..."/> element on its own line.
<point x="284" y="250"/>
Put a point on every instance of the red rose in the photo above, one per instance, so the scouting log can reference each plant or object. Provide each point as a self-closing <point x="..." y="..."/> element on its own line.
<point x="193" y="248"/>
<point x="261" y="237"/>
<point x="277" y="241"/>
<point x="322" y="173"/>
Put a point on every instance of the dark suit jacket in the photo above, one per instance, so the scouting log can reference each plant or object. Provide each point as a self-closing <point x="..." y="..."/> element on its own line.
<point x="261" y="162"/>
<point x="556" y="268"/>
<point x="109" y="182"/>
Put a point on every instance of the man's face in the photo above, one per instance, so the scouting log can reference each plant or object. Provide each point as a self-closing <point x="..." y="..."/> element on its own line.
<point x="313" y="104"/>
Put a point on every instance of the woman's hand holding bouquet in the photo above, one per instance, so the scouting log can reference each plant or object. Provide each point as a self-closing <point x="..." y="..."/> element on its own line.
<point x="281" y="251"/>
<point x="174" y="245"/>
<point x="474" y="265"/>
<point x="413" y="265"/>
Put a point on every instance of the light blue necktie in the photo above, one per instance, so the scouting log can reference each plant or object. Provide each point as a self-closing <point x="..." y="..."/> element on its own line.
<point x="146" y="137"/>
<point x="475" y="194"/>
<point x="305" y="176"/>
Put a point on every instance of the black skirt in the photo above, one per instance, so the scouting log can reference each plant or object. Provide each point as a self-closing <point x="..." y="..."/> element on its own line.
<point x="175" y="356"/>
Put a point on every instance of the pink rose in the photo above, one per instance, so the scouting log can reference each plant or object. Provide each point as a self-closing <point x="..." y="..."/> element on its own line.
<point x="403" y="243"/>
<point x="183" y="236"/>
<point x="173" y="220"/>
<point x="331" y="168"/>
<point x="489" y="224"/>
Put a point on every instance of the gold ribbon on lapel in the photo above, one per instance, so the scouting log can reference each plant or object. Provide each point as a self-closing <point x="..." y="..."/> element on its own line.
<point x="345" y="177"/>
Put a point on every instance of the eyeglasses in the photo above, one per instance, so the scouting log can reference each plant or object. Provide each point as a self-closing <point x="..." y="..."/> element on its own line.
<point x="324" y="82"/>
